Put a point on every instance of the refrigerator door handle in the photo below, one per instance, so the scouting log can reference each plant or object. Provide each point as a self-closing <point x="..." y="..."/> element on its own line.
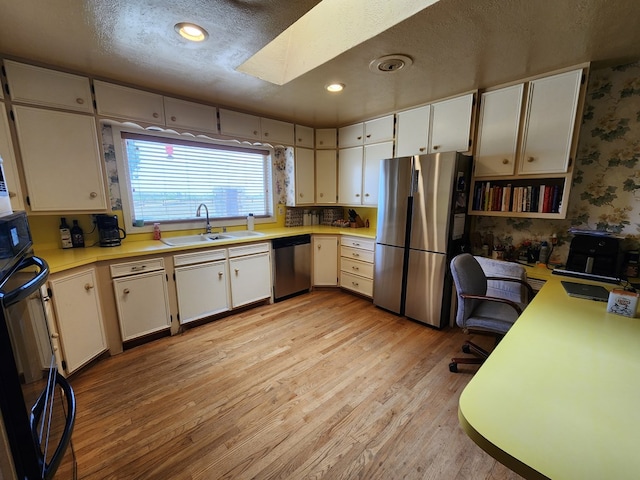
<point x="414" y="182"/>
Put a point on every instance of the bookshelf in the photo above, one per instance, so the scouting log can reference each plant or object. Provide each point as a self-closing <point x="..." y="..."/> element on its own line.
<point x="544" y="197"/>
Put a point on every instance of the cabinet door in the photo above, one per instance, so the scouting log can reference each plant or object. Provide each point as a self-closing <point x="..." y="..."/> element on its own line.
<point x="351" y="135"/>
<point x="77" y="307"/>
<point x="325" y="261"/>
<point x="451" y="125"/>
<point x="498" y="132"/>
<point x="412" y="135"/>
<point x="143" y="304"/>
<point x="61" y="160"/>
<point x="350" y="176"/>
<point x="41" y="86"/>
<point x="10" y="165"/>
<point x="378" y="130"/>
<point x="326" y="177"/>
<point x="250" y="279"/>
<point x="304" y="136"/>
<point x="203" y="290"/>
<point x="305" y="183"/>
<point x="550" y="122"/>
<point x="128" y="103"/>
<point x="326" y="138"/>
<point x="277" y="132"/>
<point x="236" y="124"/>
<point x="373" y="155"/>
<point x="190" y="115"/>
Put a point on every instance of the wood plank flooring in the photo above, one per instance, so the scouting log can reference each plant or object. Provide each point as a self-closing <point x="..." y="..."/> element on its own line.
<point x="324" y="385"/>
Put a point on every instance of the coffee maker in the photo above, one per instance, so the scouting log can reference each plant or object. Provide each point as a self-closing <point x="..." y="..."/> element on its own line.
<point x="108" y="230"/>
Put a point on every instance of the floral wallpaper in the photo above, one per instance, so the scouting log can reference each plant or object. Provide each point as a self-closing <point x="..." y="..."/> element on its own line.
<point x="605" y="193"/>
<point x="283" y="172"/>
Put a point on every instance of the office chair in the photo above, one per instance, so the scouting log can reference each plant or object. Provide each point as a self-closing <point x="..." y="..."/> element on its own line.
<point x="491" y="296"/>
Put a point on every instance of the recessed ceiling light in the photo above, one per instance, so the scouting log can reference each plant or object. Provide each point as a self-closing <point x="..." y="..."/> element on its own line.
<point x="390" y="63"/>
<point x="191" y="31"/>
<point x="334" y="87"/>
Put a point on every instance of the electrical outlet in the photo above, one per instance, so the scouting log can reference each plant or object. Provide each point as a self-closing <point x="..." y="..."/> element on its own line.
<point x="280" y="210"/>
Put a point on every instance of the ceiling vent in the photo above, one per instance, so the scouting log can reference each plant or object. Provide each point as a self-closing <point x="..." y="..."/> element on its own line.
<point x="390" y="63"/>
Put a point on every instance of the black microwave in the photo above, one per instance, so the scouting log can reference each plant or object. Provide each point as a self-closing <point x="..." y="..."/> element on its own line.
<point x="15" y="239"/>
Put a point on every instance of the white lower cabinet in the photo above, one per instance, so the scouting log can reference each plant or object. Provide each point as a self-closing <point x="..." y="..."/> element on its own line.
<point x="356" y="264"/>
<point x="250" y="273"/>
<point x="77" y="309"/>
<point x="325" y="261"/>
<point x="141" y="296"/>
<point x="202" y="284"/>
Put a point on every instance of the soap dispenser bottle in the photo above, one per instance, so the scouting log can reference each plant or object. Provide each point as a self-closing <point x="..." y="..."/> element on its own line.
<point x="250" y="222"/>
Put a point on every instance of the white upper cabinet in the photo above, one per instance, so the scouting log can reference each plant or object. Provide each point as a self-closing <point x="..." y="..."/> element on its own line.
<point x="373" y="155"/>
<point x="498" y="131"/>
<point x="412" y="131"/>
<point x="326" y="138"/>
<point x="9" y="162"/>
<point x="326" y="177"/>
<point x="451" y="125"/>
<point x="61" y="160"/>
<point x="277" y="132"/>
<point x="190" y="115"/>
<point x="304" y="176"/>
<point x="371" y="131"/>
<point x="236" y="124"/>
<point x="304" y="136"/>
<point x="50" y="88"/>
<point x="350" y="176"/>
<point x="550" y="122"/>
<point x="128" y="103"/>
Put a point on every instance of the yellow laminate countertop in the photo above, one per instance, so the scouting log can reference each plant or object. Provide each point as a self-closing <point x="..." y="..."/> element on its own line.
<point x="60" y="259"/>
<point x="559" y="397"/>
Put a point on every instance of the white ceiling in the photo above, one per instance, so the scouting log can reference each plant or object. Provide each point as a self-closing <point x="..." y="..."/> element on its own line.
<point x="456" y="46"/>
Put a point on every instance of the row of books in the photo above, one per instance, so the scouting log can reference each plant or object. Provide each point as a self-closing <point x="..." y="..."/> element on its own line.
<point x="506" y="198"/>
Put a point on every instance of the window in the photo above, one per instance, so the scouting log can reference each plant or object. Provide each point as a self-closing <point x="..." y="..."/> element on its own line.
<point x="168" y="178"/>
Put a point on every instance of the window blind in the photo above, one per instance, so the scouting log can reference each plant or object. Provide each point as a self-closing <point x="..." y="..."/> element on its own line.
<point x="169" y="178"/>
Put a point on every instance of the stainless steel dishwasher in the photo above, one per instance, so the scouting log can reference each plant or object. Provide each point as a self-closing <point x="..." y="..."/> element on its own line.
<point x="292" y="266"/>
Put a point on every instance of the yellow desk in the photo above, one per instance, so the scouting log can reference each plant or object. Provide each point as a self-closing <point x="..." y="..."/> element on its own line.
<point x="559" y="397"/>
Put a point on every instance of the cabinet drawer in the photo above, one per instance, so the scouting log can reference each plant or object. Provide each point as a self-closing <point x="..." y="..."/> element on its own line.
<point x="356" y="268"/>
<point x="141" y="266"/>
<point x="199" y="257"/>
<point x="356" y="242"/>
<point x="357" y="254"/>
<point x="248" y="249"/>
<point x="357" y="284"/>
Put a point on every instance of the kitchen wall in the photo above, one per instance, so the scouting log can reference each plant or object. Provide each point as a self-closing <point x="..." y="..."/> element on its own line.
<point x="605" y="193"/>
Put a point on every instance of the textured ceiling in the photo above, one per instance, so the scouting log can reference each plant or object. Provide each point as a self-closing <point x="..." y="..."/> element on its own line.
<point x="456" y="45"/>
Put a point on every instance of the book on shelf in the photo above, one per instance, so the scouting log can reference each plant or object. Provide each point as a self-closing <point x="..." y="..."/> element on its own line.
<point x="508" y="198"/>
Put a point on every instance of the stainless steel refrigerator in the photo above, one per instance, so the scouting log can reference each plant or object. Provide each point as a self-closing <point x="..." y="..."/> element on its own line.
<point x="422" y="224"/>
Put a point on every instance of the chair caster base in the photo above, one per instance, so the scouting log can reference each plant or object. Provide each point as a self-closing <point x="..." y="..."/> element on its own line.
<point x="453" y="367"/>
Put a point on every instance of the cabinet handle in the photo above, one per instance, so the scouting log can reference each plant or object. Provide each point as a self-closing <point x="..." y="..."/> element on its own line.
<point x="530" y="159"/>
<point x="80" y="101"/>
<point x="237" y="270"/>
<point x="156" y="115"/>
<point x="436" y="147"/>
<point x="55" y="335"/>
<point x="173" y="118"/>
<point x="369" y="136"/>
<point x="355" y="268"/>
<point x="220" y="274"/>
<point x="319" y="246"/>
<point x="356" y="254"/>
<point x="126" y="291"/>
<point x="301" y="194"/>
<point x="299" y="140"/>
<point x="357" y="195"/>
<point x="88" y="286"/>
<point x="505" y="161"/>
<point x="355" y="284"/>
<point x="359" y="137"/>
<point x="423" y="149"/>
<point x="321" y="142"/>
<point x="321" y="195"/>
<point x="366" y="194"/>
<point x="136" y="268"/>
<point x="255" y="132"/>
<point x="266" y="134"/>
<point x="13" y="194"/>
<point x="355" y="244"/>
<point x="93" y="194"/>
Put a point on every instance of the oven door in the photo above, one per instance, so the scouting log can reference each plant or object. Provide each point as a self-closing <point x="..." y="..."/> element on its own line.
<point x="38" y="404"/>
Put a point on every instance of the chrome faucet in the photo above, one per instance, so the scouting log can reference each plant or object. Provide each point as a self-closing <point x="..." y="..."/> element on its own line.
<point x="208" y="229"/>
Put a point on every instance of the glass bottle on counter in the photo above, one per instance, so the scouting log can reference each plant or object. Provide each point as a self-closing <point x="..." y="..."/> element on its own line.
<point x="65" y="234"/>
<point x="77" y="235"/>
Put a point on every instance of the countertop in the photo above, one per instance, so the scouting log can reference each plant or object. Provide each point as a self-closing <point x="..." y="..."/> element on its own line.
<point x="64" y="259"/>
<point x="558" y="397"/>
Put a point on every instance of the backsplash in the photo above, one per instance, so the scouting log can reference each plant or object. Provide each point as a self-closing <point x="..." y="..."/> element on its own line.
<point x="605" y="193"/>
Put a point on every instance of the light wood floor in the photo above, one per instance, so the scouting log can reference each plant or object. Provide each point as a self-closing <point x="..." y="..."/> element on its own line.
<point x="324" y="385"/>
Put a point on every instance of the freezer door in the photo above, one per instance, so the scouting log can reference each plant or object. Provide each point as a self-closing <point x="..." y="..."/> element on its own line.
<point x="393" y="198"/>
<point x="427" y="287"/>
<point x="387" y="280"/>
<point x="432" y="201"/>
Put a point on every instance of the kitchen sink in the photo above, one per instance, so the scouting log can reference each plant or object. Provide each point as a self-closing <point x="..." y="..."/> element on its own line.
<point x="244" y="233"/>
<point x="194" y="239"/>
